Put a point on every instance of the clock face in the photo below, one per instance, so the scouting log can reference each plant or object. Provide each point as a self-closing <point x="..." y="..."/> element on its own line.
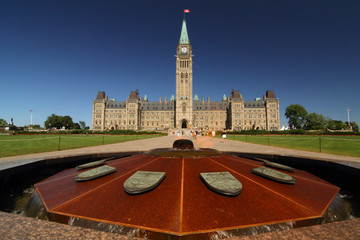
<point x="184" y="49"/>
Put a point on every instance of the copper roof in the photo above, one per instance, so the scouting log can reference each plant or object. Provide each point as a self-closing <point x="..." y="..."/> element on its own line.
<point x="134" y="95"/>
<point x="270" y="94"/>
<point x="235" y="94"/>
<point x="100" y="96"/>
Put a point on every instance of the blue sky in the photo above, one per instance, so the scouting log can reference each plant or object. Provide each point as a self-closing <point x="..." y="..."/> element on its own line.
<point x="56" y="55"/>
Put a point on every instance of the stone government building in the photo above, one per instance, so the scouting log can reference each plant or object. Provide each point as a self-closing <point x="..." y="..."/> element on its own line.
<point x="184" y="110"/>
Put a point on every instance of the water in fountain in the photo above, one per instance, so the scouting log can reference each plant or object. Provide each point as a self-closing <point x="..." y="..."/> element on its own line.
<point x="35" y="208"/>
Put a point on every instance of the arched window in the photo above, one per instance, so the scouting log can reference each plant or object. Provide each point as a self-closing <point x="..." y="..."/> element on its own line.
<point x="183" y="108"/>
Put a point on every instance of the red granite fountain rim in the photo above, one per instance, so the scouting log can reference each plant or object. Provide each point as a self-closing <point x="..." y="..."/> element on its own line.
<point x="15" y="226"/>
<point x="184" y="231"/>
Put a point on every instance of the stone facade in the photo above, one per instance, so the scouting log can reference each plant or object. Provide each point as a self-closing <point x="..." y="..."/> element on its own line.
<point x="184" y="111"/>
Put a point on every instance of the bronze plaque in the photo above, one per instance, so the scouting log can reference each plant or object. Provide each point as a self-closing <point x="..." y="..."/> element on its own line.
<point x="222" y="182"/>
<point x="91" y="164"/>
<point x="95" y="173"/>
<point x="143" y="181"/>
<point x="278" y="166"/>
<point x="273" y="175"/>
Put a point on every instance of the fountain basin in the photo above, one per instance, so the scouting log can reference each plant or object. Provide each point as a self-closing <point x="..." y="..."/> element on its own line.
<point x="182" y="206"/>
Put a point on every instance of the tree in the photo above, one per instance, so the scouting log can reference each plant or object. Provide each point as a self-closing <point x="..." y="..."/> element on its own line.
<point x="76" y="126"/>
<point x="336" y="125"/>
<point x="3" y="123"/>
<point x="53" y="121"/>
<point x="67" y="122"/>
<point x="314" y="121"/>
<point x="296" y="115"/>
<point x="58" y="122"/>
<point x="354" y="126"/>
<point x="82" y="124"/>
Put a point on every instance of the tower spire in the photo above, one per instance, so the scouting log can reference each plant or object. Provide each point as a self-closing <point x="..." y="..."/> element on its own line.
<point x="184" y="38"/>
<point x="184" y="81"/>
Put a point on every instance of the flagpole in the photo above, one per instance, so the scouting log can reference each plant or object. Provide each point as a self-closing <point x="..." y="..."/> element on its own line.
<point x="348" y="112"/>
<point x="30" y="119"/>
<point x="186" y="11"/>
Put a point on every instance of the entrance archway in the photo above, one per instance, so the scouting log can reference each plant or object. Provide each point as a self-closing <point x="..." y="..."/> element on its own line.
<point x="184" y="124"/>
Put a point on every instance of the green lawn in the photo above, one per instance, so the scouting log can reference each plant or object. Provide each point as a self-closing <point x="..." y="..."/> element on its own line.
<point x="339" y="145"/>
<point x="12" y="145"/>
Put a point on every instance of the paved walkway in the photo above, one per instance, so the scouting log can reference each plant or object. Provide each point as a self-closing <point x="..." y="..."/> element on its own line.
<point x="167" y="141"/>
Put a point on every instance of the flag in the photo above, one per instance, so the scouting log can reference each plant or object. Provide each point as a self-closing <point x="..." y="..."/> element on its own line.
<point x="186" y="11"/>
<point x="30" y="110"/>
<point x="348" y="109"/>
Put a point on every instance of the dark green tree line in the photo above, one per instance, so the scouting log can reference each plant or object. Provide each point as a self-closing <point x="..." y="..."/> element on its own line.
<point x="296" y="115"/>
<point x="55" y="121"/>
<point x="3" y="123"/>
<point x="299" y="118"/>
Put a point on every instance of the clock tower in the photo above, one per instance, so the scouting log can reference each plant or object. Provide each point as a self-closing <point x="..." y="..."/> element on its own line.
<point x="184" y="81"/>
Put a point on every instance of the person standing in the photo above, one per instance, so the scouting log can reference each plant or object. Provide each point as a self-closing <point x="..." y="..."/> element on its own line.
<point x="223" y="135"/>
<point x="213" y="134"/>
